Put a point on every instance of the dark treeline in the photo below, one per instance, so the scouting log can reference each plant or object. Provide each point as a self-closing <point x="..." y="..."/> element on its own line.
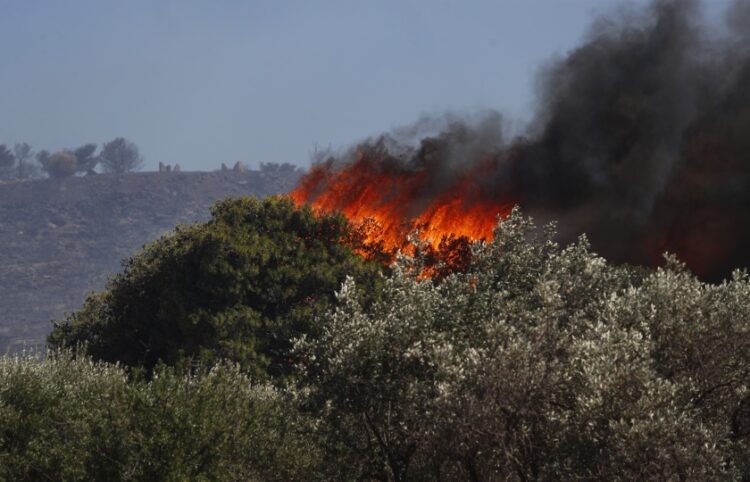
<point x="21" y="162"/>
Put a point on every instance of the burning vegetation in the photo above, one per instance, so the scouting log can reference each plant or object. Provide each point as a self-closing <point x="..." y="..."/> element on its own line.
<point x="380" y="191"/>
<point x="639" y="140"/>
<point x="392" y="205"/>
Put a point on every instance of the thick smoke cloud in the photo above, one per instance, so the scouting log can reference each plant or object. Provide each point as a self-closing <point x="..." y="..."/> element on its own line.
<point x="641" y="140"/>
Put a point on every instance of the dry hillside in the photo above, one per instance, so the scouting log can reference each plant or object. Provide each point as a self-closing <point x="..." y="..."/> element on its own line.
<point x="60" y="239"/>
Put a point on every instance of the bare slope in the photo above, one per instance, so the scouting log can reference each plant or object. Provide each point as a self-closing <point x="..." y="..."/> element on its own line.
<point x="60" y="239"/>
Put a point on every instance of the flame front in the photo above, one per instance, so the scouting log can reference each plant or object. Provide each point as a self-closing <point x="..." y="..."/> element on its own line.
<point x="392" y="203"/>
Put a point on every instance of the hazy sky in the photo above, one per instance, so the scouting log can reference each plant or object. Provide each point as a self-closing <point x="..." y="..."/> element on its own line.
<point x="205" y="82"/>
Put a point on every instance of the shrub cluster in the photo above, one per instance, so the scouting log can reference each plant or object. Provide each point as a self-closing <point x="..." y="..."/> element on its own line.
<point x="72" y="419"/>
<point x="535" y="362"/>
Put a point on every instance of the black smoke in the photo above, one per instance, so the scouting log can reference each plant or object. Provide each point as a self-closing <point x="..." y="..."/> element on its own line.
<point x="641" y="140"/>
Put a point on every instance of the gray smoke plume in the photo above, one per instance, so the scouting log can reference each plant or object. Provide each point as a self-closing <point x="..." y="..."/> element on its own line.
<point x="641" y="140"/>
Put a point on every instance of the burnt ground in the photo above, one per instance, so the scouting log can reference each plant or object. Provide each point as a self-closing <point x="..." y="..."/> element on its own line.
<point x="61" y="239"/>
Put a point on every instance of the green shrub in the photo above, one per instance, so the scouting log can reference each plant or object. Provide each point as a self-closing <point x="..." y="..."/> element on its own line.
<point x="238" y="287"/>
<point x="67" y="418"/>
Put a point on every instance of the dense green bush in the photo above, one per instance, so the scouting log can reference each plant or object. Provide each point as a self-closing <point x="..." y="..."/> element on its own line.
<point x="538" y="363"/>
<point x="72" y="419"/>
<point x="238" y="287"/>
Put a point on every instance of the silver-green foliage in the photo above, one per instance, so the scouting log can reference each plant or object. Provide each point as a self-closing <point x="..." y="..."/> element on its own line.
<point x="67" y="418"/>
<point x="541" y="362"/>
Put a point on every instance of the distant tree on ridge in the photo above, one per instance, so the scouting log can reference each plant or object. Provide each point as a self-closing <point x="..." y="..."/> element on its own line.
<point x="26" y="168"/>
<point x="86" y="161"/>
<point x="7" y="162"/>
<point x="60" y="165"/>
<point x="120" y="155"/>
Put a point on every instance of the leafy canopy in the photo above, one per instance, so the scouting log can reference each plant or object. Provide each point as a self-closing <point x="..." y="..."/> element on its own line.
<point x="238" y="287"/>
<point x="540" y="362"/>
<point x="68" y="418"/>
<point x="120" y="155"/>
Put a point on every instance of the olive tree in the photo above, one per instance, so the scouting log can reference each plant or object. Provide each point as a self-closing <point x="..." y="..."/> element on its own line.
<point x="69" y="418"/>
<point x="540" y="362"/>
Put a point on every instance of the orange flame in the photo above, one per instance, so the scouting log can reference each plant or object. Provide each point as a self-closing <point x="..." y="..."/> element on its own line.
<point x="398" y="201"/>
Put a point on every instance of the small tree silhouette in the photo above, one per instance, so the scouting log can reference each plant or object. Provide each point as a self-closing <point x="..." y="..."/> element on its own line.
<point x="120" y="155"/>
<point x="60" y="165"/>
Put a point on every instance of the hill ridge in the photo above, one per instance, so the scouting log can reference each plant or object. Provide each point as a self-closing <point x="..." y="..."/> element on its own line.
<point x="62" y="238"/>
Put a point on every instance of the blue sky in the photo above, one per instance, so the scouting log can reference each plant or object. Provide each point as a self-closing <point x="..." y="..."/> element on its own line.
<point x="205" y="82"/>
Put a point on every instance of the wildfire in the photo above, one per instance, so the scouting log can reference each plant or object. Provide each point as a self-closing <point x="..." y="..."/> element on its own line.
<point x="391" y="202"/>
